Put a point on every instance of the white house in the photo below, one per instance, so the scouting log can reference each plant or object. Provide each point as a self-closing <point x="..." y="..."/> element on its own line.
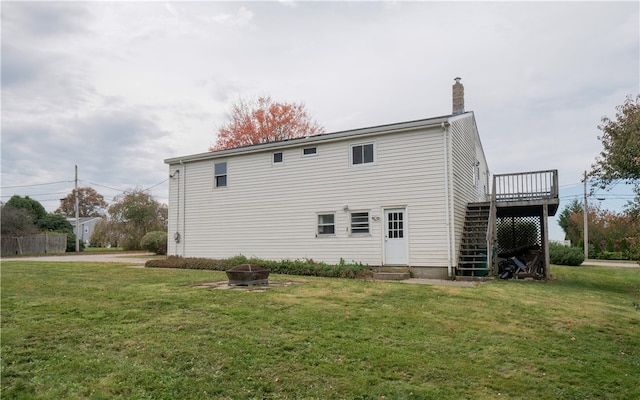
<point x="86" y="226"/>
<point x="390" y="195"/>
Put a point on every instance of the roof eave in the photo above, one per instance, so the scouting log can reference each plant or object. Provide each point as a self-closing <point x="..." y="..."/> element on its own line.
<point x="310" y="140"/>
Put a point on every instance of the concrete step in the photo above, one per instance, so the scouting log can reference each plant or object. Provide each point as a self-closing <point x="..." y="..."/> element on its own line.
<point x="391" y="276"/>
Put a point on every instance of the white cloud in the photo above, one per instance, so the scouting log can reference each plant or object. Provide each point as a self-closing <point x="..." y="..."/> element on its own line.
<point x="133" y="83"/>
<point x="241" y="18"/>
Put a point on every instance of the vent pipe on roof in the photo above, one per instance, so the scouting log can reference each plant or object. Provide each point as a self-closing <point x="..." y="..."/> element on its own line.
<point x="458" y="97"/>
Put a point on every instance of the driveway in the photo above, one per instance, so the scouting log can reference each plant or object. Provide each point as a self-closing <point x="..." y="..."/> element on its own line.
<point x="128" y="258"/>
<point x="611" y="263"/>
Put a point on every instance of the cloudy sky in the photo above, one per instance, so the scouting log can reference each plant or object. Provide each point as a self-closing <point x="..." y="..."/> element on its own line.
<point x="118" y="87"/>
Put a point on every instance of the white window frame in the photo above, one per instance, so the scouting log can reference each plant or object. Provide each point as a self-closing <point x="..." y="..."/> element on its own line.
<point x="216" y="175"/>
<point x="363" y="163"/>
<point x="315" y="153"/>
<point x="361" y="225"/>
<point x="319" y="224"/>
<point x="273" y="158"/>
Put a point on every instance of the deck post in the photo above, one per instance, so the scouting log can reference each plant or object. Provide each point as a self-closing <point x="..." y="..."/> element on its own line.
<point x="545" y="241"/>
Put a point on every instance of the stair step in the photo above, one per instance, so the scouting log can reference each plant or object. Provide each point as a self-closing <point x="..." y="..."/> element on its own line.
<point x="391" y="269"/>
<point x="471" y="263"/>
<point x="391" y="276"/>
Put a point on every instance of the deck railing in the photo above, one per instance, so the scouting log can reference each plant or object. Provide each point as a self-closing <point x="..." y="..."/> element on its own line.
<point x="537" y="185"/>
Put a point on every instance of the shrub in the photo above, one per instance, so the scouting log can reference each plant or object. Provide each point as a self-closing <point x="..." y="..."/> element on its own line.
<point x="611" y="255"/>
<point x="155" y="242"/>
<point x="565" y="255"/>
<point x="71" y="243"/>
<point x="287" y="267"/>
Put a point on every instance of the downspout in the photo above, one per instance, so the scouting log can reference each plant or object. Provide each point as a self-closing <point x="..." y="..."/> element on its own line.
<point x="184" y="189"/>
<point x="445" y="137"/>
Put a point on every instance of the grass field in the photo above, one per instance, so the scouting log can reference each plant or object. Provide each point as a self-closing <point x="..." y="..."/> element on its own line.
<point x="98" y="331"/>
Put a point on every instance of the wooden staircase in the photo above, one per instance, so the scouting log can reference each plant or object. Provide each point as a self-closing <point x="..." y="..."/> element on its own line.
<point x="472" y="259"/>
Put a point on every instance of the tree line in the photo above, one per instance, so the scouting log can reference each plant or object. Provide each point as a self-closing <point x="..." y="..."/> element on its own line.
<point x="611" y="235"/>
<point x="123" y="224"/>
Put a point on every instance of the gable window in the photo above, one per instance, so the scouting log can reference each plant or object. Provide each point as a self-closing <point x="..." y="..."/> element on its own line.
<point x="360" y="222"/>
<point x="326" y="224"/>
<point x="310" y="151"/>
<point x="220" y="174"/>
<point x="362" y="154"/>
<point x="278" y="158"/>
<point x="476" y="173"/>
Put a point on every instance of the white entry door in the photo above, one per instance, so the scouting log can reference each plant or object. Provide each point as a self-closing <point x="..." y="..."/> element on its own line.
<point x="395" y="236"/>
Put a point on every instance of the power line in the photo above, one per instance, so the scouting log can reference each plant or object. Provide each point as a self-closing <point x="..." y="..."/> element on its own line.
<point x="99" y="185"/>
<point x="39" y="194"/>
<point x="35" y="184"/>
<point x="121" y="190"/>
<point x="157" y="184"/>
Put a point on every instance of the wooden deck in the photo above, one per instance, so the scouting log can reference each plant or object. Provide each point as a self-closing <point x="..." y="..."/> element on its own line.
<point x="519" y="201"/>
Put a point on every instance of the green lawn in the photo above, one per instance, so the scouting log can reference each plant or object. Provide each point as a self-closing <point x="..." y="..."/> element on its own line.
<point x="102" y="331"/>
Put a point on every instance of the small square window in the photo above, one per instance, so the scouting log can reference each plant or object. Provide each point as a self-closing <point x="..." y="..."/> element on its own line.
<point x="326" y="224"/>
<point x="359" y="222"/>
<point x="310" y="151"/>
<point x="362" y="154"/>
<point x="220" y="174"/>
<point x="278" y="158"/>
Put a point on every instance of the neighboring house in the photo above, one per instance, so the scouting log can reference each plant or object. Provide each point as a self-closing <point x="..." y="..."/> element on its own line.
<point x="390" y="195"/>
<point x="86" y="225"/>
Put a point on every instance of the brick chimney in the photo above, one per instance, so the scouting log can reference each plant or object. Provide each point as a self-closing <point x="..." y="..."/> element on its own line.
<point x="458" y="97"/>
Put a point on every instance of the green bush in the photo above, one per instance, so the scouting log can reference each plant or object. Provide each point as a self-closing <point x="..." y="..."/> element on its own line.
<point x="611" y="255"/>
<point x="71" y="243"/>
<point x="565" y="255"/>
<point x="286" y="267"/>
<point x="155" y="242"/>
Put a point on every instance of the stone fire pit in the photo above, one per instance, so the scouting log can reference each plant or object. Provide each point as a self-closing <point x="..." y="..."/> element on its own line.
<point x="248" y="275"/>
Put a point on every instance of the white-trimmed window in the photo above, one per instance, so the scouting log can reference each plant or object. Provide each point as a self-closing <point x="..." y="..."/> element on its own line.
<point x="326" y="224"/>
<point x="362" y="153"/>
<point x="278" y="158"/>
<point x="309" y="151"/>
<point x="360" y="222"/>
<point x="220" y="174"/>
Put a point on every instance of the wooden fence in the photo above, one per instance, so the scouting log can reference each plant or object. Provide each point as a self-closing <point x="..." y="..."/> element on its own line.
<point x="33" y="244"/>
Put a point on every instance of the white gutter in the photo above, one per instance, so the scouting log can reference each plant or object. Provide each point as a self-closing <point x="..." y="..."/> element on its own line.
<point x="445" y="137"/>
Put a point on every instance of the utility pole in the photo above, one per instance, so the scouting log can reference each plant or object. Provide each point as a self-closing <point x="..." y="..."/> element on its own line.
<point x="585" y="213"/>
<point x="77" y="215"/>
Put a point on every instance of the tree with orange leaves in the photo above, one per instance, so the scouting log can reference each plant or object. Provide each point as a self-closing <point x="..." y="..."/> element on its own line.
<point x="263" y="121"/>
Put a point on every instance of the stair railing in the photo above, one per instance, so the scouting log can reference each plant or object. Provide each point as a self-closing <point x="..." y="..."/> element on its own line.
<point x="491" y="227"/>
